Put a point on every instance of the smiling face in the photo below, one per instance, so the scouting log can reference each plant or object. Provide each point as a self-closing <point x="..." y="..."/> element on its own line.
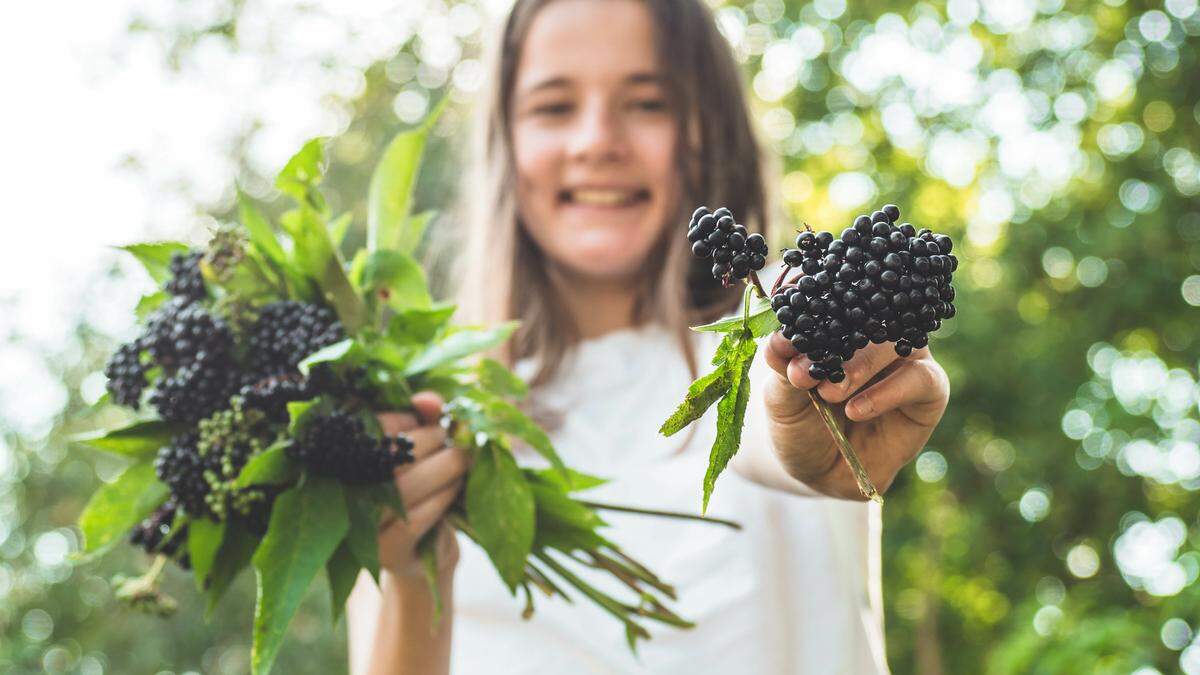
<point x="593" y="137"/>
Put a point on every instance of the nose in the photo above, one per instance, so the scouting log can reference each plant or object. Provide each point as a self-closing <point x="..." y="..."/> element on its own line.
<point x="597" y="136"/>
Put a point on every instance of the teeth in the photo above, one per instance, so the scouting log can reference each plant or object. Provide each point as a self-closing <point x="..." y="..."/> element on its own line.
<point x="602" y="197"/>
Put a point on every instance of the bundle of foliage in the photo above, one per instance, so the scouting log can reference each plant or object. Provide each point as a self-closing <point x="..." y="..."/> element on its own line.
<point x="257" y="374"/>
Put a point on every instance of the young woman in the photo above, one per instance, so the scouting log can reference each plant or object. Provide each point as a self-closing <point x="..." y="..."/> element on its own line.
<point x="607" y="123"/>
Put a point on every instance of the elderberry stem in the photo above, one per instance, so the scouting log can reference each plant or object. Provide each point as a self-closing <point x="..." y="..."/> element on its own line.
<point x="865" y="486"/>
<point x="758" y="285"/>
<point x="664" y="514"/>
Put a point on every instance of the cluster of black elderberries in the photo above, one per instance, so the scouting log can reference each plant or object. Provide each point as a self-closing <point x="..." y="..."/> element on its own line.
<point x="156" y="534"/>
<point x="186" y="280"/>
<point x="286" y="332"/>
<point x="879" y="282"/>
<point x="734" y="251"/>
<point x="338" y="445"/>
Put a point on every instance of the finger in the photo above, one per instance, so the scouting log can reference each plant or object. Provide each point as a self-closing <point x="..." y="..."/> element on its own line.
<point x="797" y="373"/>
<point x="428" y="512"/>
<point x="918" y="388"/>
<point x="431" y="474"/>
<point x="426" y="441"/>
<point x="860" y="369"/>
<point x="779" y="352"/>
<point x="428" y="406"/>
<point x="394" y="423"/>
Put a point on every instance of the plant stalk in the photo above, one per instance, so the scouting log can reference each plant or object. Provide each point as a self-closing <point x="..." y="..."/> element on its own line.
<point x="664" y="514"/>
<point x="865" y="486"/>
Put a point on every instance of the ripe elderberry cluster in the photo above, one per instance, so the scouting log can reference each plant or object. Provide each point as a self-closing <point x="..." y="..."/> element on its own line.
<point x="338" y="445"/>
<point x="186" y="281"/>
<point x="734" y="251"/>
<point x="155" y="534"/>
<point x="879" y="282"/>
<point x="286" y="332"/>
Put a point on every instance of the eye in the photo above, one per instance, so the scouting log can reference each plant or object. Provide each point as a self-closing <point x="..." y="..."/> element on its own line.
<point x="551" y="109"/>
<point x="651" y="104"/>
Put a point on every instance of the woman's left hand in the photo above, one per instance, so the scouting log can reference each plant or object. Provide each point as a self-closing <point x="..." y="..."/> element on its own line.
<point x="888" y="407"/>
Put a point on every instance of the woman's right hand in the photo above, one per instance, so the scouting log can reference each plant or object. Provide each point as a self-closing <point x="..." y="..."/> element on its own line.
<point x="428" y="486"/>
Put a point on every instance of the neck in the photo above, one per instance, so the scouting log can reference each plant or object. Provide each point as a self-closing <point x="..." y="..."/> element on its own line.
<point x="597" y="306"/>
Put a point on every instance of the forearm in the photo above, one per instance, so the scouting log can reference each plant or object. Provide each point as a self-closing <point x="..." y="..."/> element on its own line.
<point x="392" y="630"/>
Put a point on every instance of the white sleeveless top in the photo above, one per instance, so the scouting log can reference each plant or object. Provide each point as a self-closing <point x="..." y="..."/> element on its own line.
<point x="797" y="590"/>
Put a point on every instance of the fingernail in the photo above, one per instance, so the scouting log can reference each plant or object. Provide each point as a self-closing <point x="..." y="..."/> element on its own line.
<point x="862" y="407"/>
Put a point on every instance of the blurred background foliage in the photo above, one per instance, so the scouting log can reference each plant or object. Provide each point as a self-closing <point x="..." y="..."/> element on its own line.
<point x="1050" y="526"/>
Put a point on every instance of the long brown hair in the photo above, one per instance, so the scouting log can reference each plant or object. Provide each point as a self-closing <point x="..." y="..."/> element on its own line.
<point x="718" y="158"/>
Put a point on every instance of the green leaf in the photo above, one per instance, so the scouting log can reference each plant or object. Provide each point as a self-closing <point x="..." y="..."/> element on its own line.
<point x="117" y="506"/>
<point x="414" y="230"/>
<point x="307" y="524"/>
<point x="301" y="412"/>
<point x="761" y="315"/>
<point x="419" y="325"/>
<point x="342" y="570"/>
<point x="498" y="379"/>
<point x="363" y="538"/>
<point x="339" y="227"/>
<point x="500" y="510"/>
<point x="302" y="173"/>
<point x="236" y="548"/>
<point x="386" y="495"/>
<point x="150" y="302"/>
<point x="700" y="396"/>
<point x="137" y="440"/>
<point x="261" y="234"/>
<point x="318" y="259"/>
<point x="575" y="481"/>
<point x="502" y="417"/>
<point x="396" y="278"/>
<point x="347" y="352"/>
<point x="270" y="467"/>
<point x="731" y="413"/>
<point x="457" y="345"/>
<point x="156" y="257"/>
<point x="204" y="540"/>
<point x="389" y="198"/>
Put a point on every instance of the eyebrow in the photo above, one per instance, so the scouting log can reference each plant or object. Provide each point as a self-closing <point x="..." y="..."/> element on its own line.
<point x="560" y="81"/>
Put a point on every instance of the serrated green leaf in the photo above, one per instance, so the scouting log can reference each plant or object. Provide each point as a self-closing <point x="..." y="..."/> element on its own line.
<point x="700" y="396"/>
<point x="501" y="417"/>
<point x="419" y="325"/>
<point x="204" y="540"/>
<point x="573" y="481"/>
<point x="262" y="236"/>
<point x="731" y="414"/>
<point x="236" y="549"/>
<point x="498" y="379"/>
<point x="308" y="523"/>
<point x="760" y="312"/>
<point x="317" y="258"/>
<point x="389" y="197"/>
<point x="137" y="440"/>
<point x="342" y="571"/>
<point x="457" y="345"/>
<point x="347" y="353"/>
<point x="302" y="173"/>
<point x="117" y="506"/>
<point x="270" y="467"/>
<point x="395" y="278"/>
<point x="156" y="257"/>
<point x="501" y="511"/>
<point x="363" y="538"/>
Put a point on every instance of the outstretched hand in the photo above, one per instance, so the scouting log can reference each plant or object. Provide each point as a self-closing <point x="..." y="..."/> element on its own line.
<point x="888" y="407"/>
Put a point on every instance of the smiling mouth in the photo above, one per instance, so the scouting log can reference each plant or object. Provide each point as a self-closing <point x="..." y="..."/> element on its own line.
<point x="603" y="197"/>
